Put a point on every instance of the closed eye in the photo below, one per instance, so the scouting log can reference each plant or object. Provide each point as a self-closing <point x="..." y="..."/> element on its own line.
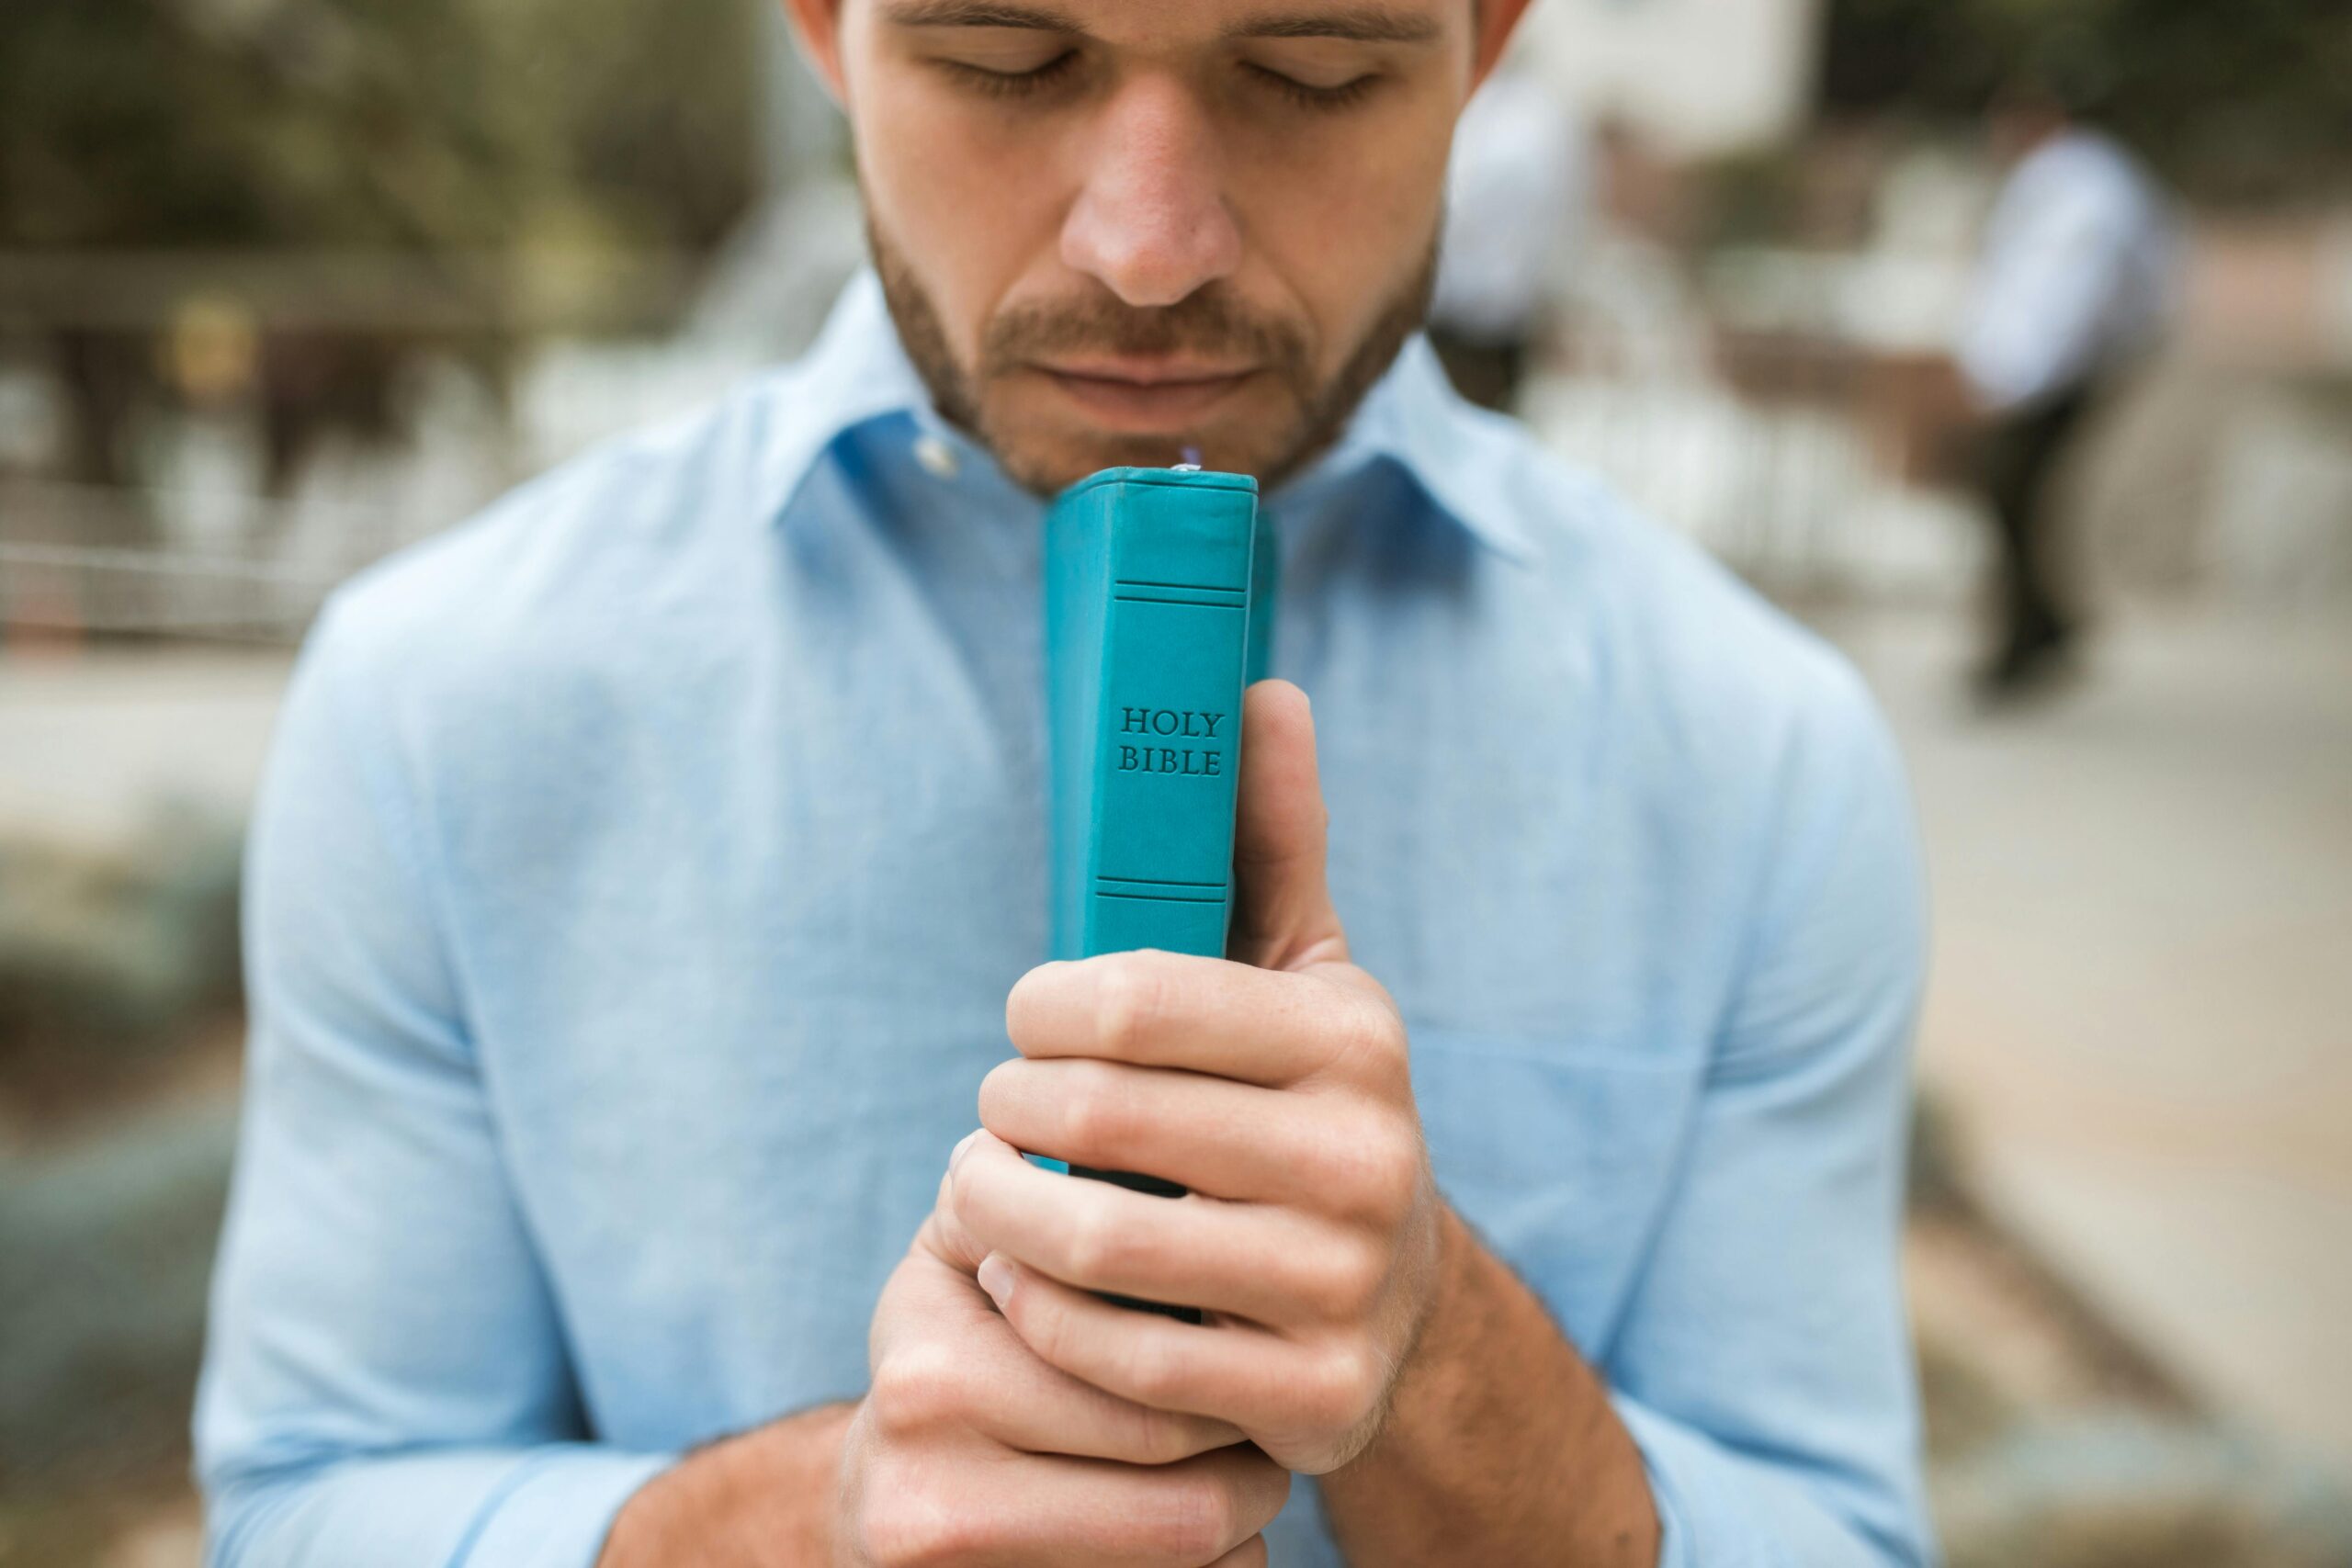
<point x="1307" y="95"/>
<point x="1011" y="84"/>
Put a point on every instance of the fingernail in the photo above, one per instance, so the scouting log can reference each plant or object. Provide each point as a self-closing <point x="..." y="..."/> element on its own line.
<point x="995" y="1279"/>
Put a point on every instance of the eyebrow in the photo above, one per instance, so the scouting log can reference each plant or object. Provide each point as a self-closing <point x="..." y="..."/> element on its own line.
<point x="1354" y="24"/>
<point x="975" y="14"/>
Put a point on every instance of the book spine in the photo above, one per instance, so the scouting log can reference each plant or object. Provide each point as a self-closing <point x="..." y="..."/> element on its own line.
<point x="1152" y="579"/>
<point x="1150" y="637"/>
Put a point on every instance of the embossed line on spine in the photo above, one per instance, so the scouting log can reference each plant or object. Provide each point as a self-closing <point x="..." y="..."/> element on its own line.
<point x="1168" y="599"/>
<point x="1155" y="897"/>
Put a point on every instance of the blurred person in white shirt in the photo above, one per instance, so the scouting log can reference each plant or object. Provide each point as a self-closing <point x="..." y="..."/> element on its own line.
<point x="1515" y="193"/>
<point x="2073" y="288"/>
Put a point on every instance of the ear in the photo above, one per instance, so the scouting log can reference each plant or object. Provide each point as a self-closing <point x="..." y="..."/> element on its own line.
<point x="1497" y="20"/>
<point x="817" y="28"/>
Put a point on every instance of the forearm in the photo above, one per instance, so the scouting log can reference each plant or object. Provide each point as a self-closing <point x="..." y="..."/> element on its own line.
<point x="1501" y="1445"/>
<point x="765" y="1499"/>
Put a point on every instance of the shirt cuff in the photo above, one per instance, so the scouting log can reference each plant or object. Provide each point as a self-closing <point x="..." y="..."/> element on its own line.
<point x="1662" y="1444"/>
<point x="1717" y="1508"/>
<point x="555" y="1508"/>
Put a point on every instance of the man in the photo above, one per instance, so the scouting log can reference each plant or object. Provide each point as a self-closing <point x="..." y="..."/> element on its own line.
<point x="2073" y="288"/>
<point x="647" y="880"/>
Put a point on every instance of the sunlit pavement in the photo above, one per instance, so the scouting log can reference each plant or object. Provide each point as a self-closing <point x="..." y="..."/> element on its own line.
<point x="2141" y="1006"/>
<point x="92" y="742"/>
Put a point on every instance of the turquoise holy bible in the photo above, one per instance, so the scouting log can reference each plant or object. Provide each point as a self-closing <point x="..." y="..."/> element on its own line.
<point x="1159" y="594"/>
<point x="1158" y="603"/>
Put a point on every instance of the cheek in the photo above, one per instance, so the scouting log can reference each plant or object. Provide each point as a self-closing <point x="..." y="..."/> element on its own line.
<point x="1346" y="219"/>
<point x="944" y="188"/>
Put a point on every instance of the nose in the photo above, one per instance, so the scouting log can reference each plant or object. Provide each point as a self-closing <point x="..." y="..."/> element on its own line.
<point x="1151" y="221"/>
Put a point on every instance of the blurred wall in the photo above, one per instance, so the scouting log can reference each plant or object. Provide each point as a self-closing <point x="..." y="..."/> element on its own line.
<point x="1695" y="76"/>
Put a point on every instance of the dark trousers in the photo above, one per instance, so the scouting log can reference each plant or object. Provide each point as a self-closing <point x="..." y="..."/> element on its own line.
<point x="2018" y="467"/>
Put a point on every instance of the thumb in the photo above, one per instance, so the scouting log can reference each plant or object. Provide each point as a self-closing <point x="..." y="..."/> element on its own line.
<point x="1283" y="915"/>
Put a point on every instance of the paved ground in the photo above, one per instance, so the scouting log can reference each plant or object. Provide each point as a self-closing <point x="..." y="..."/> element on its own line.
<point x="92" y="742"/>
<point x="2143" y="997"/>
<point x="2142" y="1003"/>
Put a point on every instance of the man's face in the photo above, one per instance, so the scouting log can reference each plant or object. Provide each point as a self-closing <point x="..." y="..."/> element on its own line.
<point x="1113" y="229"/>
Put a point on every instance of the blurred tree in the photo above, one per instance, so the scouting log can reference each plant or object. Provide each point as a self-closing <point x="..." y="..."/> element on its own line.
<point x="428" y="129"/>
<point x="2247" y="102"/>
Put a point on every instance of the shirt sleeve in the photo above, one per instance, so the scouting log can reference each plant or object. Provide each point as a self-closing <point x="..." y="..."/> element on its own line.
<point x="385" y="1381"/>
<point x="1765" y="1369"/>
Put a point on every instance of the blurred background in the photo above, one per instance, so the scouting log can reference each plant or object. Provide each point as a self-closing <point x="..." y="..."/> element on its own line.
<point x="285" y="284"/>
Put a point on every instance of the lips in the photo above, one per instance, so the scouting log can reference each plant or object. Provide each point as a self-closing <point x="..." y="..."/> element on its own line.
<point x="1145" y="371"/>
<point x="1144" y="395"/>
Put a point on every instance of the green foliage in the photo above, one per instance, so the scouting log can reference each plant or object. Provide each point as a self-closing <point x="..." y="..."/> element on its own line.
<point x="396" y="124"/>
<point x="2244" y="101"/>
<point x="107" y="956"/>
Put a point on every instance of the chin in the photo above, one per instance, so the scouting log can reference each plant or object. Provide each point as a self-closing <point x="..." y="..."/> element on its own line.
<point x="1048" y="457"/>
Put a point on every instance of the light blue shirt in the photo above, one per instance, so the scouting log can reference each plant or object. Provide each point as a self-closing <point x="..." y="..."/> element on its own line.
<point x="642" y="867"/>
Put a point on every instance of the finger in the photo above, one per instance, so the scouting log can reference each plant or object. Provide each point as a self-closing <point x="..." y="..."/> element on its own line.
<point x="1232" y="1371"/>
<point x="1210" y="1134"/>
<point x="1271" y="1265"/>
<point x="1173" y="1009"/>
<point x="1283" y="914"/>
<point x="945" y="1355"/>
<point x="1068" y="1513"/>
<point x="941" y="1234"/>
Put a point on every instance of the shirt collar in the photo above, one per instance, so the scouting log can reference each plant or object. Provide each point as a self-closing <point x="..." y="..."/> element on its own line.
<point x="857" y="371"/>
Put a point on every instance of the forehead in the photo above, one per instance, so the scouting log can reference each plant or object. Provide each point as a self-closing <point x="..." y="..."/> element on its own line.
<point x="1159" y="23"/>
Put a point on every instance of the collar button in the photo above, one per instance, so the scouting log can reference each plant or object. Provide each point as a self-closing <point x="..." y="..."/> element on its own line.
<point x="937" y="458"/>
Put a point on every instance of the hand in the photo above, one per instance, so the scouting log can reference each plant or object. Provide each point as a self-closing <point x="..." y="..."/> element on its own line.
<point x="1276" y="1091"/>
<point x="968" y="1451"/>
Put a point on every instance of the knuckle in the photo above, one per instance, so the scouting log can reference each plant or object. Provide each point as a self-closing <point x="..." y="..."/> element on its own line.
<point x="1376" y="1049"/>
<point x="1350" y="1276"/>
<point x="1386" y="1044"/>
<point x="1128" y="1005"/>
<point x="1095" y="1116"/>
<point x="1374" y="1165"/>
<point x="1345" y="1387"/>
<point x="1043" y="1326"/>
<point x="1164" y="1437"/>
<point x="1101" y="1249"/>
<point x="1160" y="1437"/>
<point x="1153" y="1372"/>
<point x="1201" y="1518"/>
<point x="1387" y="1165"/>
<point x="1396" y="1164"/>
<point x="916" y="1387"/>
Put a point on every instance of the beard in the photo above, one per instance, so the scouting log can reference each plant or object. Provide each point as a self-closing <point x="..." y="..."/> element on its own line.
<point x="1045" y="453"/>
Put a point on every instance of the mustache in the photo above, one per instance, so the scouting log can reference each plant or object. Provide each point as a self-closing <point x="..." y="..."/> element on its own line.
<point x="1209" y="323"/>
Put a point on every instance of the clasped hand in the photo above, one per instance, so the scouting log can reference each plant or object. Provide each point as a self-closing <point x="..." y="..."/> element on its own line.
<point x="1015" y="1415"/>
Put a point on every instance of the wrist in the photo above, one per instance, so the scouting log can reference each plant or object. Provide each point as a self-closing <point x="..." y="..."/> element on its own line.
<point x="1438" y="1336"/>
<point x="1500" y="1443"/>
<point x="764" y="1498"/>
